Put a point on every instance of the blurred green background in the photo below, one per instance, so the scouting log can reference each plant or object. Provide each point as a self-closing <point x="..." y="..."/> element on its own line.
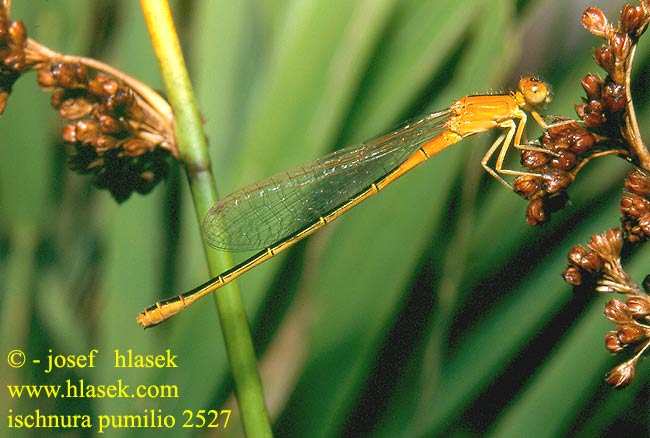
<point x="431" y="310"/>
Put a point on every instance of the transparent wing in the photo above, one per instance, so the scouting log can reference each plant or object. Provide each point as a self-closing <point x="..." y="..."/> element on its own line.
<point x="265" y="212"/>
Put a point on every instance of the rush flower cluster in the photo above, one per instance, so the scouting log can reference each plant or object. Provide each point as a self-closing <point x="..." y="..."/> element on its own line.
<point x="120" y="131"/>
<point x="608" y="126"/>
<point x="604" y="110"/>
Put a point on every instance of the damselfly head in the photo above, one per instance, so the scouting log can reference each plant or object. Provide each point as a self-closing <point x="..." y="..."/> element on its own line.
<point x="535" y="91"/>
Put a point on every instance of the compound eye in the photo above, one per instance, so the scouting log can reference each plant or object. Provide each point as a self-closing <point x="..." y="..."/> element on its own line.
<point x="535" y="91"/>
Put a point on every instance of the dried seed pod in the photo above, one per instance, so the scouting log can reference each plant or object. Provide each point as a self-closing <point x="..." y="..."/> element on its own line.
<point x="617" y="312"/>
<point x="612" y="343"/>
<point x="565" y="160"/>
<point x="86" y="130"/>
<point x="70" y="133"/>
<point x="534" y="159"/>
<point x="595" y="21"/>
<point x="631" y="333"/>
<point x="639" y="306"/>
<point x="638" y="183"/>
<point x="605" y="59"/>
<point x="103" y="143"/>
<point x="73" y="109"/>
<point x="17" y="33"/>
<point x="592" y="84"/>
<point x="582" y="141"/>
<point x="136" y="147"/>
<point x="644" y="224"/>
<point x="634" y="206"/>
<point x="621" y="375"/>
<point x="109" y="125"/>
<point x="556" y="180"/>
<point x="584" y="258"/>
<point x="572" y="275"/>
<point x="621" y="45"/>
<point x="631" y="18"/>
<point x="535" y="213"/>
<point x="614" y="97"/>
<point x="527" y="185"/>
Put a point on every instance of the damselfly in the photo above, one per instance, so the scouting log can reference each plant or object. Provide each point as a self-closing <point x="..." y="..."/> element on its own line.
<point x="277" y="212"/>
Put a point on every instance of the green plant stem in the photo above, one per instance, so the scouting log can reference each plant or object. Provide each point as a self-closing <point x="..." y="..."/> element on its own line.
<point x="194" y="153"/>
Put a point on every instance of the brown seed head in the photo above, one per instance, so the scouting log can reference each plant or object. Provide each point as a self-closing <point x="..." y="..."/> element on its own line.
<point x="621" y="45"/>
<point x="565" y="160"/>
<point x="73" y="109"/>
<point x="595" y="21"/>
<point x="584" y="258"/>
<point x="572" y="275"/>
<point x="617" y="311"/>
<point x="612" y="343"/>
<point x="592" y="84"/>
<point x="614" y="97"/>
<point x="603" y="57"/>
<point x="634" y="206"/>
<point x="631" y="18"/>
<point x="533" y="159"/>
<point x="639" y="306"/>
<point x="621" y="375"/>
<point x="556" y="180"/>
<point x="527" y="185"/>
<point x="535" y="214"/>
<point x="631" y="333"/>
<point x="638" y="182"/>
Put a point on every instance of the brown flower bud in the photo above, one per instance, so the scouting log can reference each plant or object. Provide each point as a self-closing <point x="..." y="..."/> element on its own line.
<point x="621" y="45"/>
<point x="638" y="183"/>
<point x="109" y="125"/>
<point x="631" y="18"/>
<point x="533" y="159"/>
<point x="535" y="213"/>
<point x="556" y="180"/>
<point x="565" y="160"/>
<point x="592" y="84"/>
<point x="614" y="97"/>
<point x="644" y="224"/>
<point x="572" y="275"/>
<point x="73" y="109"/>
<point x="136" y="146"/>
<point x="595" y="21"/>
<point x="65" y="75"/>
<point x="15" y="61"/>
<point x="86" y="130"/>
<point x="17" y="33"/>
<point x="593" y="120"/>
<point x="70" y="133"/>
<point x="617" y="311"/>
<point x="527" y="185"/>
<point x="584" y="258"/>
<point x="603" y="56"/>
<point x="631" y="333"/>
<point x="46" y="79"/>
<point x="102" y="143"/>
<point x="634" y="206"/>
<point x="612" y="343"/>
<point x="583" y="141"/>
<point x="639" y="306"/>
<point x="621" y="375"/>
<point x="96" y="85"/>
<point x="580" y="109"/>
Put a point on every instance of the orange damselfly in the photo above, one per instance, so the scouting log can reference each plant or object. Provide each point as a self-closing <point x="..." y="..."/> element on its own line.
<point x="277" y="212"/>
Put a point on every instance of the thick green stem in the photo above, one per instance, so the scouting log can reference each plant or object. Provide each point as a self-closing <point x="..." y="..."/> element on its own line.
<point x="194" y="153"/>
